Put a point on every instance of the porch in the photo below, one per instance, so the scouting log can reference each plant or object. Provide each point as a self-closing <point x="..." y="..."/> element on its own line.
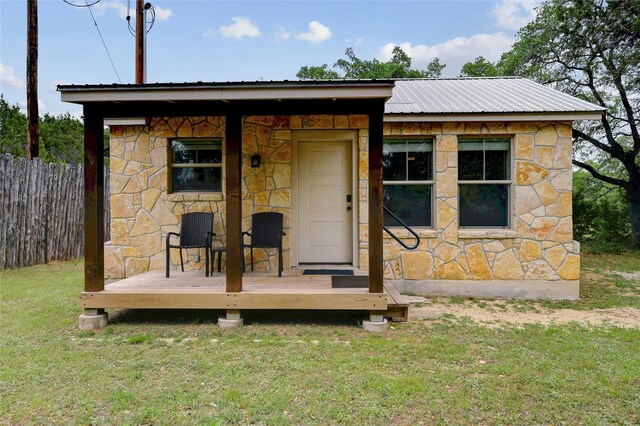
<point x="232" y="102"/>
<point x="295" y="291"/>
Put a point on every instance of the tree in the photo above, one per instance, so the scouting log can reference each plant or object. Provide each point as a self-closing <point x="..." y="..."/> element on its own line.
<point x="600" y="214"/>
<point x="321" y="72"/>
<point x="399" y="66"/>
<point x="591" y="50"/>
<point x="13" y="129"/>
<point x="480" y="67"/>
<point x="62" y="136"/>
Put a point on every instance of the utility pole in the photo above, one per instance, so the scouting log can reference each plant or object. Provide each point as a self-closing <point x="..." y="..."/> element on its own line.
<point x="141" y="72"/>
<point x="33" y="126"/>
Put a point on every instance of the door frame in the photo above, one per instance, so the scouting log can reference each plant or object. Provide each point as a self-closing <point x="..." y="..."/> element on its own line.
<point x="298" y="136"/>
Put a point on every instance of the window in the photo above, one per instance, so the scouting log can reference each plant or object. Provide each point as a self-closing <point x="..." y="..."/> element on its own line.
<point x="484" y="181"/>
<point x="408" y="180"/>
<point x="196" y="165"/>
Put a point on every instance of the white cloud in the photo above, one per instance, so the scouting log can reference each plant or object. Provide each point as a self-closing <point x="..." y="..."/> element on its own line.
<point x="514" y="14"/>
<point x="282" y="33"/>
<point x="121" y="9"/>
<point x="317" y="33"/>
<point x="8" y="77"/>
<point x="242" y="27"/>
<point x="104" y="7"/>
<point x="162" y="14"/>
<point x="454" y="53"/>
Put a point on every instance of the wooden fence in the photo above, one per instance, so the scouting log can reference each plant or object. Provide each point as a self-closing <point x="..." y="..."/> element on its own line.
<point x="42" y="211"/>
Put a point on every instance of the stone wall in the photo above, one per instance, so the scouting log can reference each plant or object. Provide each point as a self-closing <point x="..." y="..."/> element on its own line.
<point x="539" y="246"/>
<point x="145" y="212"/>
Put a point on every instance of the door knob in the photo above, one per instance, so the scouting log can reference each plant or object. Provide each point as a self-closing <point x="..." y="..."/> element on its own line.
<point x="348" y="208"/>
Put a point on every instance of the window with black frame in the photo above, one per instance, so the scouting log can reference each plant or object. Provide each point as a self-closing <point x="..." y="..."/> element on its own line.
<point x="408" y="181"/>
<point x="196" y="165"/>
<point x="484" y="182"/>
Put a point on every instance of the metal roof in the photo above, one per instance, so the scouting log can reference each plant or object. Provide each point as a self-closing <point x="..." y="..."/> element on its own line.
<point x="501" y="95"/>
<point x="228" y="84"/>
<point x="453" y="99"/>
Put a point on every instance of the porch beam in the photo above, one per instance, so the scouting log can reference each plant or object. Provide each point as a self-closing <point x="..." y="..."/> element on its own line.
<point x="376" y="266"/>
<point x="93" y="199"/>
<point x="176" y="299"/>
<point x="248" y="108"/>
<point x="233" y="196"/>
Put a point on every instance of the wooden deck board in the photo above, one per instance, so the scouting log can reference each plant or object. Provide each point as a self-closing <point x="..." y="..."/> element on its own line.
<point x="192" y="290"/>
<point x="398" y="306"/>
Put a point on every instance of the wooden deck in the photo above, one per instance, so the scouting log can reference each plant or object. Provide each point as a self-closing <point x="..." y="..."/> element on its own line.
<point x="192" y="290"/>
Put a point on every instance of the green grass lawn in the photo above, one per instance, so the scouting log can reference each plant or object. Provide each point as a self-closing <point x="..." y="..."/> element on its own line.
<point x="178" y="367"/>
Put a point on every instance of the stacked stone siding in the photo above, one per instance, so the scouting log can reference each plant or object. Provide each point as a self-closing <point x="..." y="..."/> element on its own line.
<point x="145" y="212"/>
<point x="538" y="246"/>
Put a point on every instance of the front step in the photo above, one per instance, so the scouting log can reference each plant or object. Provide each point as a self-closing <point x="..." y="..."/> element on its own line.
<point x="397" y="304"/>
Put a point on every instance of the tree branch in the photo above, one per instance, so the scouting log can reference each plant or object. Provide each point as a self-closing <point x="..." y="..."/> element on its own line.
<point x="596" y="174"/>
<point x="615" y="146"/>
<point x="617" y="81"/>
<point x="606" y="148"/>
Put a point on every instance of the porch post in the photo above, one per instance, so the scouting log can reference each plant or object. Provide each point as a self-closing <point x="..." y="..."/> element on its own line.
<point x="233" y="197"/>
<point x="376" y="270"/>
<point x="93" y="199"/>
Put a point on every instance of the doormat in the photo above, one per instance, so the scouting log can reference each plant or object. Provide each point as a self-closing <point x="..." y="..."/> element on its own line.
<point x="353" y="281"/>
<point x="327" y="272"/>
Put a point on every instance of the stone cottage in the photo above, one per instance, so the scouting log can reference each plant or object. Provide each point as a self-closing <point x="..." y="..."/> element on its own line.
<point x="479" y="168"/>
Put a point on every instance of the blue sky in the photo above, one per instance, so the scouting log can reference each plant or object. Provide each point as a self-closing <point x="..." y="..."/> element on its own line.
<point x="244" y="40"/>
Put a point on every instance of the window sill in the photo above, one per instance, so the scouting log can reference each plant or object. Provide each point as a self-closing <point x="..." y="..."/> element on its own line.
<point x="195" y="196"/>
<point x="403" y="233"/>
<point x="486" y="233"/>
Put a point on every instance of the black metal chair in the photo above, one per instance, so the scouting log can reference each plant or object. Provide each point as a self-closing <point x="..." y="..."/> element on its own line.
<point x="195" y="232"/>
<point x="266" y="232"/>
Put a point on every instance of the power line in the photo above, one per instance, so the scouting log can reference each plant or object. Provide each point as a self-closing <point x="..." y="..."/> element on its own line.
<point x="88" y="6"/>
<point x="81" y="5"/>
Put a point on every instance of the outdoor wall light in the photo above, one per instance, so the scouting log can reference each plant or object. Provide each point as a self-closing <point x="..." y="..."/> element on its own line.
<point x="255" y="160"/>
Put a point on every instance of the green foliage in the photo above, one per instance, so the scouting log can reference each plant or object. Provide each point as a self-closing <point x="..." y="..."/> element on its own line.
<point x="13" y="129"/>
<point x="600" y="215"/>
<point x="480" y="67"/>
<point x="321" y="72"/>
<point x="591" y="50"/>
<point x="61" y="137"/>
<point x="399" y="66"/>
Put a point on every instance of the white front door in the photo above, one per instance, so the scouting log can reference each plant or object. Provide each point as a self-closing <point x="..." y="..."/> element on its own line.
<point x="325" y="218"/>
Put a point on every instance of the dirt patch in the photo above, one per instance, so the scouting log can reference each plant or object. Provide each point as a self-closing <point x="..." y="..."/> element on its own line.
<point x="496" y="314"/>
<point x="631" y="276"/>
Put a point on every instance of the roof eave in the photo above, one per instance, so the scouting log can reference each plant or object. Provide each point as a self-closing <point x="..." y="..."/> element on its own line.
<point x="82" y="95"/>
